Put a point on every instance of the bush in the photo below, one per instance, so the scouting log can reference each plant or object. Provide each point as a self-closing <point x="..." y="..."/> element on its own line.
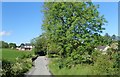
<point x="16" y="69"/>
<point x="6" y="68"/>
<point x="65" y="62"/>
<point x="22" y="66"/>
<point x="106" y="66"/>
<point x="103" y="65"/>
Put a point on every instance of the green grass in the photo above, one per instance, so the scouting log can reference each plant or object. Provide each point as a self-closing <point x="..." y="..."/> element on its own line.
<point x="98" y="68"/>
<point x="0" y="53"/>
<point x="77" y="70"/>
<point x="12" y="54"/>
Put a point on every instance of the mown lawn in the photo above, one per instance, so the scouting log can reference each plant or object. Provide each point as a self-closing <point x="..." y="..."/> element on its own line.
<point x="12" y="54"/>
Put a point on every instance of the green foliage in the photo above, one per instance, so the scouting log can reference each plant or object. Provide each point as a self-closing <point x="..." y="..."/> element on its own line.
<point x="73" y="29"/>
<point x="15" y="63"/>
<point x="40" y="44"/>
<point x="103" y="65"/>
<point x="17" y="68"/>
<point x="118" y="45"/>
<point x="4" y="44"/>
<point x="6" y="68"/>
<point x="12" y="45"/>
<point x="74" y="70"/>
<point x="117" y="60"/>
<point x="107" y="39"/>
<point x="107" y="64"/>
<point x="114" y="37"/>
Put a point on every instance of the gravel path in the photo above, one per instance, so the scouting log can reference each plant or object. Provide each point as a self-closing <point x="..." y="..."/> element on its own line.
<point x="40" y="67"/>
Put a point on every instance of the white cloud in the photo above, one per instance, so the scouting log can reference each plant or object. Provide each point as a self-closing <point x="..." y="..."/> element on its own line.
<point x="4" y="33"/>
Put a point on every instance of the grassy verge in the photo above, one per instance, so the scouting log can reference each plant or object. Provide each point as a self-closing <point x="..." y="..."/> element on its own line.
<point x="102" y="66"/>
<point x="77" y="70"/>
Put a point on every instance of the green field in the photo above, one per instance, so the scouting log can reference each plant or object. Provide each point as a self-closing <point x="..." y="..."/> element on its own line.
<point x="12" y="54"/>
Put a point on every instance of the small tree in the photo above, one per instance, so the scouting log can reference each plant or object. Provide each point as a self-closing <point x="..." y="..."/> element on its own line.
<point x="4" y="44"/>
<point x="12" y="45"/>
<point x="107" y="39"/>
<point x="113" y="37"/>
<point x="40" y="44"/>
<point x="107" y="35"/>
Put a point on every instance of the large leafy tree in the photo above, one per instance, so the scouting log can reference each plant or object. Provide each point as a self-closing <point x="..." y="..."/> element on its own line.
<point x="74" y="27"/>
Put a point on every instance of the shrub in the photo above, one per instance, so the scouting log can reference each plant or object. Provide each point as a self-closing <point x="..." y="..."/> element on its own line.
<point x="22" y="66"/>
<point x="16" y="69"/>
<point x="105" y="66"/>
<point x="6" y="68"/>
<point x="117" y="62"/>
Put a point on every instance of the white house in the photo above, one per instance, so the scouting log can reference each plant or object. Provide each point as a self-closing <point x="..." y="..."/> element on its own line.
<point x="103" y="49"/>
<point x="26" y="46"/>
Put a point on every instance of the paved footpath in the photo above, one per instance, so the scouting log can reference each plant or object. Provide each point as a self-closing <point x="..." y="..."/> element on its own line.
<point x="40" y="67"/>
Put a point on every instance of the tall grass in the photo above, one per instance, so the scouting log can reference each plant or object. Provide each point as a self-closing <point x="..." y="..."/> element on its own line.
<point x="77" y="70"/>
<point x="102" y="66"/>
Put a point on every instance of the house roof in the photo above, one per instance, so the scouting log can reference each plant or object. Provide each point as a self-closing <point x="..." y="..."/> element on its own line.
<point x="101" y="47"/>
<point x="28" y="44"/>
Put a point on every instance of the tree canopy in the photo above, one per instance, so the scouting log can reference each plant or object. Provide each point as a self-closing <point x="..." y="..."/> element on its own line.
<point x="4" y="44"/>
<point x="40" y="44"/>
<point x="74" y="27"/>
<point x="12" y="45"/>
